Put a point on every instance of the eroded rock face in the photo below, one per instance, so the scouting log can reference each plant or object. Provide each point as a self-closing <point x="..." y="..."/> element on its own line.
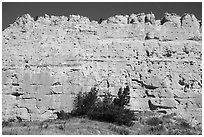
<point x="171" y="18"/>
<point x="47" y="61"/>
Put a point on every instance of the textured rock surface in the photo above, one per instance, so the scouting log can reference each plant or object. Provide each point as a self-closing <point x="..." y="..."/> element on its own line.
<point x="48" y="60"/>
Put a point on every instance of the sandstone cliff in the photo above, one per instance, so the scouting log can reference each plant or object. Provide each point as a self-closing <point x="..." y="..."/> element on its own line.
<point x="47" y="60"/>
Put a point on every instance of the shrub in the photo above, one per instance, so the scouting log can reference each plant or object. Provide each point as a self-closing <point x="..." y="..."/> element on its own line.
<point x="184" y="124"/>
<point x="123" y="97"/>
<point x="125" y="117"/>
<point x="63" y="115"/>
<point x="43" y="125"/>
<point x="6" y="124"/>
<point x="103" y="113"/>
<point x="84" y="102"/>
<point x="103" y="109"/>
<point x="156" y="130"/>
<point x="113" y="110"/>
<point x="181" y="132"/>
<point x="154" y="121"/>
<point x="107" y="109"/>
<point x="120" y="130"/>
<point x="61" y="127"/>
<point x="11" y="120"/>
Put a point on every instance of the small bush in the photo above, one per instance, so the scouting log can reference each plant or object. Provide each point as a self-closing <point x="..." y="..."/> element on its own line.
<point x="113" y="110"/>
<point x="61" y="127"/>
<point x="63" y="115"/>
<point x="123" y="97"/>
<point x="112" y="114"/>
<point x="120" y="130"/>
<point x="6" y="124"/>
<point x="156" y="130"/>
<point x="181" y="132"/>
<point x="185" y="125"/>
<point x="43" y="125"/>
<point x="154" y="121"/>
<point x="103" y="113"/>
<point x="11" y="120"/>
<point x="84" y="102"/>
<point x="84" y="120"/>
<point x="107" y="109"/>
<point x="180" y="126"/>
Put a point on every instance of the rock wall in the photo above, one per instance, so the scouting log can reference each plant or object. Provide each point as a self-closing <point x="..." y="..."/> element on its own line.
<point x="48" y="60"/>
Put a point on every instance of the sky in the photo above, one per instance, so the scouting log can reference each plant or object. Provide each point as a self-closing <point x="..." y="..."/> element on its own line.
<point x="95" y="10"/>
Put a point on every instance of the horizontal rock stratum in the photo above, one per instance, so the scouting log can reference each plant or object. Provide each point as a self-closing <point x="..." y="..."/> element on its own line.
<point x="47" y="60"/>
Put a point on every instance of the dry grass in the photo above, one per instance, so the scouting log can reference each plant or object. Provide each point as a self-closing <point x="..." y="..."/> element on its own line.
<point x="74" y="126"/>
<point x="144" y="125"/>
